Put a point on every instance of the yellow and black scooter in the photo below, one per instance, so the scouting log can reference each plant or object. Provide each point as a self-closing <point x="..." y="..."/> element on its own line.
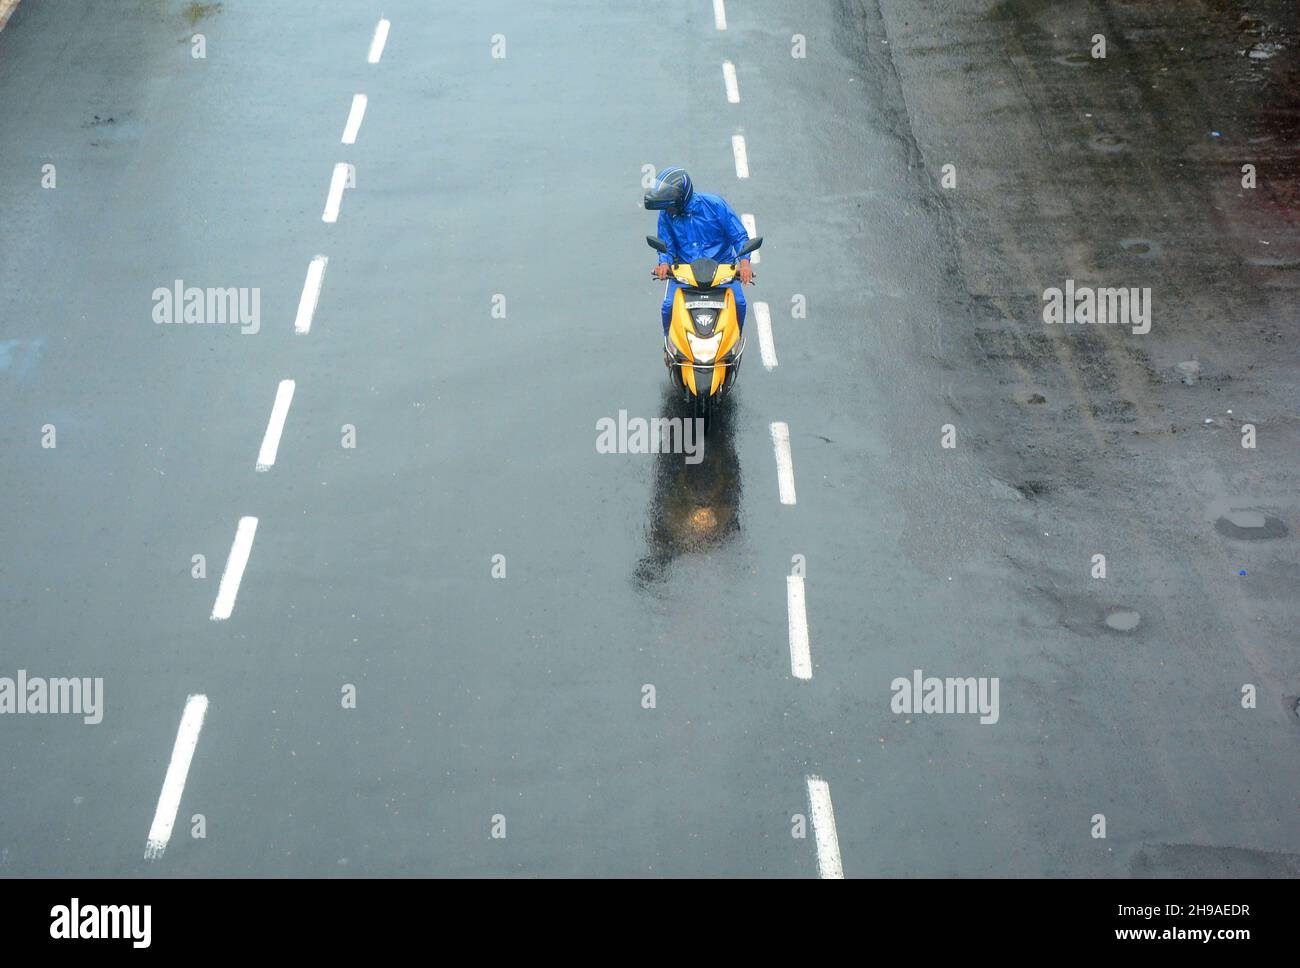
<point x="704" y="343"/>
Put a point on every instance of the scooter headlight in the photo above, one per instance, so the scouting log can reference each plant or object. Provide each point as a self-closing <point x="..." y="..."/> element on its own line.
<point x="704" y="350"/>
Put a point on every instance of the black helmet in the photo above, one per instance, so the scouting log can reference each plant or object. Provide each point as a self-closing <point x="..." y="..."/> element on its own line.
<point x="672" y="189"/>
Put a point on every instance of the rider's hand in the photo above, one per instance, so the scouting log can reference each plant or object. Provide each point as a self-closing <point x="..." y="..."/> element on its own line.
<point x="746" y="273"/>
<point x="661" y="270"/>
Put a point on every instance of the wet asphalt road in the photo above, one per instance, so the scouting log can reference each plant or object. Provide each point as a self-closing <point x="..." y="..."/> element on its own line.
<point x="521" y="697"/>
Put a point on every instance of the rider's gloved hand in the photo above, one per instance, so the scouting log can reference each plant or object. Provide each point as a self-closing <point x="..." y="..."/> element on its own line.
<point x="746" y="273"/>
<point x="661" y="270"/>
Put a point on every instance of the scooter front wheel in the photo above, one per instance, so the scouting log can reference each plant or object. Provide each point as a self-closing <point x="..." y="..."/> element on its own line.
<point x="702" y="409"/>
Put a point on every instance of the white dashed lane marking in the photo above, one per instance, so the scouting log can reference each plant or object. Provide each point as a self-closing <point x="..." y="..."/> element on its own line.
<point x="751" y="226"/>
<point x="240" y="549"/>
<point x="784" y="461"/>
<point x="729" y="81"/>
<point x="338" y="182"/>
<point x="310" y="294"/>
<point x="800" y="654"/>
<point x="719" y="15"/>
<point x="275" y="426"/>
<point x="742" y="159"/>
<point x="823" y="821"/>
<point x="377" y="43"/>
<point x="169" y="801"/>
<point x="766" y="347"/>
<point x="355" y="114"/>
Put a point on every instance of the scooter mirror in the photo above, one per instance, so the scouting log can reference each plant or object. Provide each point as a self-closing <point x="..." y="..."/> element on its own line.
<point x="751" y="245"/>
<point x="659" y="245"/>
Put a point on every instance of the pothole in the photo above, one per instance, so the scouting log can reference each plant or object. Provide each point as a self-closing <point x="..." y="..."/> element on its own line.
<point x="1123" y="619"/>
<point x="1143" y="248"/>
<point x="1249" y="526"/>
<point x="1034" y="489"/>
<point x="1030" y="397"/>
<point x="1264" y="50"/>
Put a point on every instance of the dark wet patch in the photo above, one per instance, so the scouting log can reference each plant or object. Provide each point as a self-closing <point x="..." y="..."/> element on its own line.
<point x="1273" y="262"/>
<point x="1030" y="397"/>
<point x="19" y="357"/>
<point x="1124" y="411"/>
<point x="1122" y="619"/>
<point x="1201" y="861"/>
<point x="1143" y="248"/>
<point x="1247" y="525"/>
<point x="1034" y="489"/>
<point x="1016" y="11"/>
<point x="198" y="11"/>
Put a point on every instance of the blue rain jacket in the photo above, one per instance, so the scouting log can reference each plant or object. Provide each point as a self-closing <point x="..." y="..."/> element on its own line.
<point x="707" y="229"/>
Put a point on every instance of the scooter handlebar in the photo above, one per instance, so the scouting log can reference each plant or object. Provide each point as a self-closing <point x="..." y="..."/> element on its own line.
<point x="655" y="275"/>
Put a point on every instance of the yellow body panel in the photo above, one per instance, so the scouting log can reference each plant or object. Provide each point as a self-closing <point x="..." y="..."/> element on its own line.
<point x="725" y="275"/>
<point x="680" y="324"/>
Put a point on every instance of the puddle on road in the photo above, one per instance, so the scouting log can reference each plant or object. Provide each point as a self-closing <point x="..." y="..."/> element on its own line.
<point x="1108" y="143"/>
<point x="1123" y="619"/>
<point x="1143" y="248"/>
<point x="1249" y="526"/>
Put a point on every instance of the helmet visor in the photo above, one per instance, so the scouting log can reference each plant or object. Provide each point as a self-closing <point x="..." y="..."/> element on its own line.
<point x="666" y="196"/>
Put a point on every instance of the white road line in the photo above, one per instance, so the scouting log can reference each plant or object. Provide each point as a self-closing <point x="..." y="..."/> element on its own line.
<point x="800" y="655"/>
<point x="310" y="294"/>
<point x="234" y="573"/>
<point x="729" y="79"/>
<point x="377" y="44"/>
<point x="338" y="181"/>
<point x="751" y="227"/>
<point x="169" y="801"/>
<point x="719" y="15"/>
<point x="355" y="115"/>
<point x="784" y="462"/>
<point x="275" y="426"/>
<point x="742" y="160"/>
<point x="765" y="345"/>
<point x="823" y="821"/>
<point x="7" y="8"/>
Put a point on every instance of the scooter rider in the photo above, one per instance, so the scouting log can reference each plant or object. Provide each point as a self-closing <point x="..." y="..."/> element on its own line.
<point x="696" y="226"/>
